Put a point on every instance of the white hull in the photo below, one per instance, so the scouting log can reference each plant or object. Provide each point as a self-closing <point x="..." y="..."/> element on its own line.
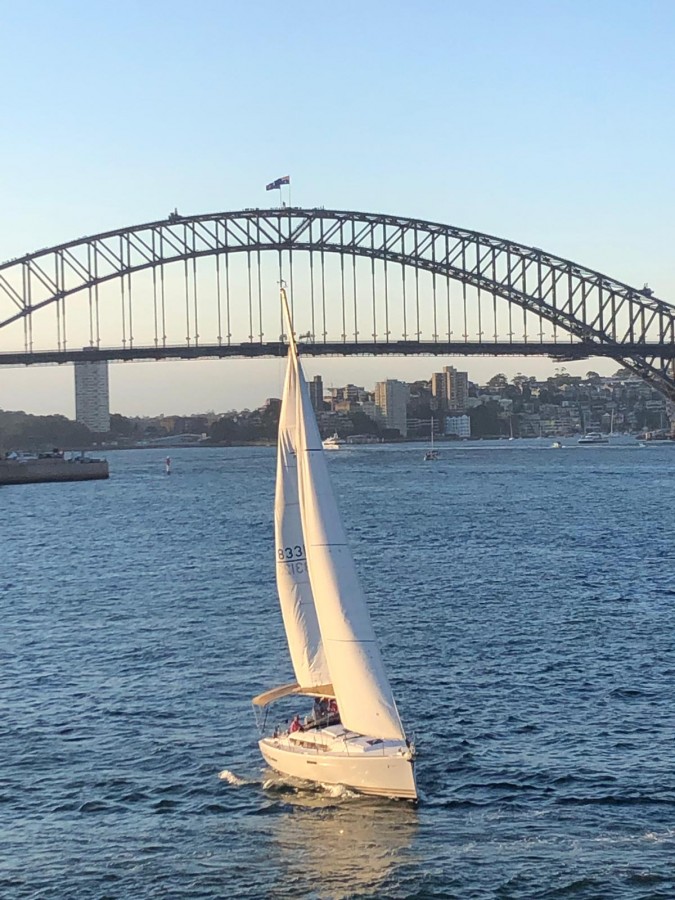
<point x="333" y="443"/>
<point x="387" y="772"/>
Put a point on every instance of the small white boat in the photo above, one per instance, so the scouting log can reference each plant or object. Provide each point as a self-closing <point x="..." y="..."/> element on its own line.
<point x="593" y="437"/>
<point x="356" y="739"/>
<point x="334" y="442"/>
<point x="556" y="445"/>
<point x="431" y="455"/>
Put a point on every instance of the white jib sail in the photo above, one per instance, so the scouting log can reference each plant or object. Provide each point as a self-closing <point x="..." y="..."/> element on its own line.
<point x="357" y="672"/>
<point x="295" y="590"/>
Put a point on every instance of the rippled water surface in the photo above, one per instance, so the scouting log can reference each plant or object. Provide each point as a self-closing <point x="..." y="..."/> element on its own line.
<point x="524" y="601"/>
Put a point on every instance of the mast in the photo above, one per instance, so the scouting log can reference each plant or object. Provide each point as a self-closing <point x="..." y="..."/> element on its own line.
<point x="356" y="668"/>
<point x="298" y="608"/>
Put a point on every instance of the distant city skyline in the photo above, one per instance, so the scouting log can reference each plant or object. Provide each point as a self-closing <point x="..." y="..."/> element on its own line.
<point x="187" y="387"/>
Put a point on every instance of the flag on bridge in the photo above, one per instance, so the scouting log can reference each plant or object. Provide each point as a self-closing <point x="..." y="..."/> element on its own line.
<point x="274" y="185"/>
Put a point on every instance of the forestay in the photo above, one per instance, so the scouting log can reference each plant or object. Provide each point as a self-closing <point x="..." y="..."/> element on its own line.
<point x="357" y="672"/>
<point x="295" y="591"/>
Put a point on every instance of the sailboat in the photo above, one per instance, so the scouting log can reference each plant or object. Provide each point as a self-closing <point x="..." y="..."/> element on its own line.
<point x="431" y="454"/>
<point x="354" y="735"/>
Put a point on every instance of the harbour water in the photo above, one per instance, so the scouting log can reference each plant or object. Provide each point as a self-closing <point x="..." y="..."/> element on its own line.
<point x="524" y="601"/>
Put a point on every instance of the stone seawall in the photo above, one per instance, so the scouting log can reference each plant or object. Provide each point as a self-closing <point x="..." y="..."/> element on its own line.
<point x="40" y="470"/>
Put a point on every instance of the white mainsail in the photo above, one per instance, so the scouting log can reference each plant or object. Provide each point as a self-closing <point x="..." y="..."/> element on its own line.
<point x="357" y="672"/>
<point x="295" y="590"/>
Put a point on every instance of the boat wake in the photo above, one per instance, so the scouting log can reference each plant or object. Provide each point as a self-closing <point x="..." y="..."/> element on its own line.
<point x="308" y="792"/>
<point x="338" y="791"/>
<point x="235" y="780"/>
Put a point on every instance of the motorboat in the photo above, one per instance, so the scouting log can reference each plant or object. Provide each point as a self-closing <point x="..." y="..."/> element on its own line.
<point x="353" y="735"/>
<point x="556" y="445"/>
<point x="593" y="437"/>
<point x="334" y="442"/>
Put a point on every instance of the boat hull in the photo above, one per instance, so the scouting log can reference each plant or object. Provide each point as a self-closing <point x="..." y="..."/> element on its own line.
<point x="383" y="776"/>
<point x="380" y="775"/>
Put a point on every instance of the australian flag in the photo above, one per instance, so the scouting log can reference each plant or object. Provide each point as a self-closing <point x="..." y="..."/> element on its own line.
<point x="273" y="185"/>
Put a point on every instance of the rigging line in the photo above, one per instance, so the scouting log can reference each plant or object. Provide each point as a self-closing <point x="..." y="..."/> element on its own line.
<point x="289" y="319"/>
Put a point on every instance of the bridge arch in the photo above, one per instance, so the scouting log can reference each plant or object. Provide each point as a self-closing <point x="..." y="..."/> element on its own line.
<point x="586" y="312"/>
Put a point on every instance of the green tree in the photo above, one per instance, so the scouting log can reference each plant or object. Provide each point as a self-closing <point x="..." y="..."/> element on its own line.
<point x="499" y="382"/>
<point x="485" y="420"/>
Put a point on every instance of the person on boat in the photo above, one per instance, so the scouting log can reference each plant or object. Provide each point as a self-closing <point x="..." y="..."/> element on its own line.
<point x="296" y="724"/>
<point x="333" y="707"/>
<point x="319" y="709"/>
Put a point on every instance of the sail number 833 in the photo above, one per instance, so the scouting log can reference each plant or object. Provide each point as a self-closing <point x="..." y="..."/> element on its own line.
<point x="293" y="558"/>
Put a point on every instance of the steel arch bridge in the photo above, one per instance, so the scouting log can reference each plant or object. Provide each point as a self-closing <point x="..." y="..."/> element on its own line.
<point x="360" y="283"/>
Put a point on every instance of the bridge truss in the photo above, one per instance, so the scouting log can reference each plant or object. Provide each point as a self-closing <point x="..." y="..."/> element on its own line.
<point x="360" y="283"/>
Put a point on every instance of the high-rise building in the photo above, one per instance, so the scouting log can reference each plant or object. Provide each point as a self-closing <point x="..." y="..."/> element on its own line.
<point x="439" y="390"/>
<point x="459" y="425"/>
<point x="92" y="397"/>
<point x="456" y="387"/>
<point x="391" y="398"/>
<point x="316" y="393"/>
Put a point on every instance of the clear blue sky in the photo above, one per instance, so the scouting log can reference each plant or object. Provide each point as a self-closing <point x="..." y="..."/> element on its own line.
<point x="547" y="122"/>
